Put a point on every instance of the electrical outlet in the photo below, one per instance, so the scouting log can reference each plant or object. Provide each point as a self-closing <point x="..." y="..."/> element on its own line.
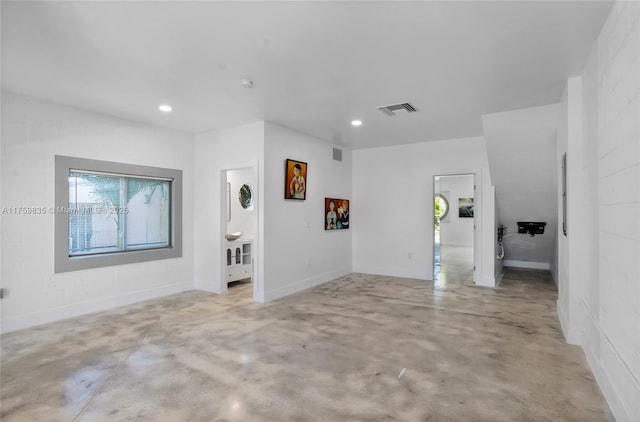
<point x="409" y="255"/>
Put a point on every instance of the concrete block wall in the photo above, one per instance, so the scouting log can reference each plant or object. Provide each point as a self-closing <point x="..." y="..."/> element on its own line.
<point x="609" y="319"/>
<point x="619" y="203"/>
<point x="33" y="132"/>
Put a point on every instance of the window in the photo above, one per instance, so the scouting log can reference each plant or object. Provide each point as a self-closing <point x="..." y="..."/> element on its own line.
<point x="109" y="213"/>
<point x="112" y="213"/>
<point x="440" y="209"/>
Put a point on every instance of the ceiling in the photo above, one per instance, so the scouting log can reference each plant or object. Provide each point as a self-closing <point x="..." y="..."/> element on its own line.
<point x="315" y="65"/>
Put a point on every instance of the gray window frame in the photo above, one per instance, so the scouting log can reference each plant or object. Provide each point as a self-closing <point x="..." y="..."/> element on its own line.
<point x="65" y="263"/>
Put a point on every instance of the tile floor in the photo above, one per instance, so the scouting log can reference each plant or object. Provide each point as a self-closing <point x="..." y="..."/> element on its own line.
<point x="360" y="348"/>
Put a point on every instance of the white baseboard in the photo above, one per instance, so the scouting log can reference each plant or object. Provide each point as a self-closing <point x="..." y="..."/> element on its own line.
<point x="527" y="264"/>
<point x="302" y="285"/>
<point x="70" y="311"/>
<point x="570" y="335"/>
<point x="610" y="390"/>
<point x="394" y="272"/>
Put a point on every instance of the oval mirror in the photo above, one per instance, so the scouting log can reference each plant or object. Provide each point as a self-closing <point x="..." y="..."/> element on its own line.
<point x="246" y="196"/>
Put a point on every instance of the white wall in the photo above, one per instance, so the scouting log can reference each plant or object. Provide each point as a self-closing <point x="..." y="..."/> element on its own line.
<point x="242" y="220"/>
<point x="216" y="152"/>
<point x="1" y="167"/>
<point x="299" y="253"/>
<point x="554" y="264"/>
<point x="602" y="310"/>
<point x="393" y="201"/>
<point x="498" y="264"/>
<point x="454" y="230"/>
<point x="565" y="295"/>
<point x="33" y="132"/>
<point x="587" y="271"/>
<point x="522" y="150"/>
<point x="618" y="84"/>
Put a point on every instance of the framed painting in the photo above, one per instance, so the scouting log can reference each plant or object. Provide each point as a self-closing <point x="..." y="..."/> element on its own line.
<point x="295" y="182"/>
<point x="336" y="214"/>
<point x="465" y="207"/>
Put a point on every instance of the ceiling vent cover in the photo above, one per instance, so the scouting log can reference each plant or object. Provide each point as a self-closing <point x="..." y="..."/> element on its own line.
<point x="389" y="110"/>
<point x="337" y="154"/>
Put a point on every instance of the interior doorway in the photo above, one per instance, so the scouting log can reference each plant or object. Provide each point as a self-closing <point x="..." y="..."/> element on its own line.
<point x="240" y="231"/>
<point x="454" y="230"/>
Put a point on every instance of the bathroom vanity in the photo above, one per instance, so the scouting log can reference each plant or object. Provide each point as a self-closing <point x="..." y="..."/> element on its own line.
<point x="238" y="259"/>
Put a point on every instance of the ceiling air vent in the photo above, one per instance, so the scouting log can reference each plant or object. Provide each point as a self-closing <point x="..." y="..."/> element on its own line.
<point x="337" y="154"/>
<point x="389" y="110"/>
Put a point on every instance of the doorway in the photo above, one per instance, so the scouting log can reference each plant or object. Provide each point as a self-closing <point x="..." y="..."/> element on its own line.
<point x="240" y="231"/>
<point x="454" y="230"/>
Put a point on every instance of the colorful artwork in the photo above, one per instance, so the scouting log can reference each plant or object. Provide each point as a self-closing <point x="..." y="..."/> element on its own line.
<point x="336" y="214"/>
<point x="295" y="183"/>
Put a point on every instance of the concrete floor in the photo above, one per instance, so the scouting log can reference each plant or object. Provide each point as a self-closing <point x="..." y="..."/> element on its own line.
<point x="455" y="267"/>
<point x="360" y="348"/>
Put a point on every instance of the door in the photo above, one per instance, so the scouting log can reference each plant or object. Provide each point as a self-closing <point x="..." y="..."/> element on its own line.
<point x="454" y="230"/>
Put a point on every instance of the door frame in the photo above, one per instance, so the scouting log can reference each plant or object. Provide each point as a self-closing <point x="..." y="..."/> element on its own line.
<point x="255" y="249"/>
<point x="476" y="224"/>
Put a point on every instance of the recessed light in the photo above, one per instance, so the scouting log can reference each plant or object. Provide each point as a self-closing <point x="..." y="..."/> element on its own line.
<point x="246" y="83"/>
<point x="356" y="123"/>
<point x="165" y="108"/>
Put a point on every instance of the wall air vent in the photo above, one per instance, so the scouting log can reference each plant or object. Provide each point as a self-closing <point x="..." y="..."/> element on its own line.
<point x="389" y="110"/>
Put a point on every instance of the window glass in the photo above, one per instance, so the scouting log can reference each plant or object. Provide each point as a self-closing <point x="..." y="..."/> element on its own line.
<point x="147" y="213"/>
<point x="109" y="213"/>
<point x="91" y="230"/>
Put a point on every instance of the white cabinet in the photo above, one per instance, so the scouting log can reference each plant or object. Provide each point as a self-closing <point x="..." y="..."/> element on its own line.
<point x="238" y="260"/>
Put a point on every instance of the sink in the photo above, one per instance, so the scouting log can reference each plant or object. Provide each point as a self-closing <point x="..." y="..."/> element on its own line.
<point x="233" y="236"/>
